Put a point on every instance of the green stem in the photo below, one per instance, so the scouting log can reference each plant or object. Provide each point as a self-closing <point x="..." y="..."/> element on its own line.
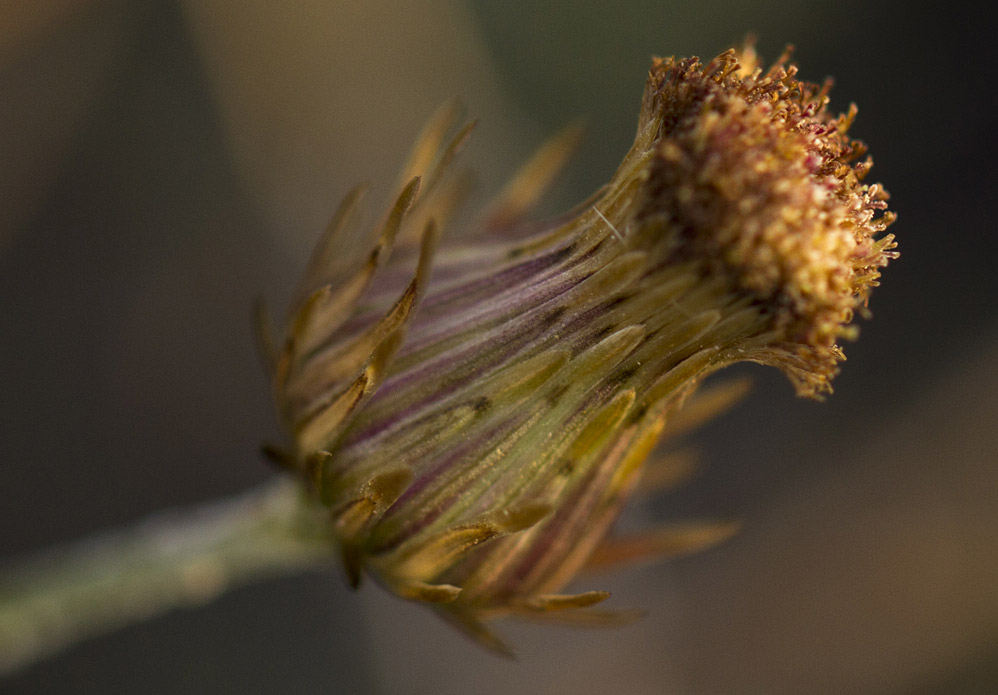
<point x="175" y="559"/>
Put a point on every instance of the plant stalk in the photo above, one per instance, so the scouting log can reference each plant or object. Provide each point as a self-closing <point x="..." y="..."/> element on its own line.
<point x="175" y="559"/>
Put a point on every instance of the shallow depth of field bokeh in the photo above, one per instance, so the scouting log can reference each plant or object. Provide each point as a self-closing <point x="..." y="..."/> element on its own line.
<point x="165" y="162"/>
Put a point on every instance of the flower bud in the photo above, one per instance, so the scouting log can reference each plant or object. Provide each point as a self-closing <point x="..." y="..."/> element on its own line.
<point x="475" y="413"/>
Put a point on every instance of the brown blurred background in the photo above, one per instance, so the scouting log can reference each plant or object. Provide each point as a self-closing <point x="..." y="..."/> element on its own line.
<point x="164" y="162"/>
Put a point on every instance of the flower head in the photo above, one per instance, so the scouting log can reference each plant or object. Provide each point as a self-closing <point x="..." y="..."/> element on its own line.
<point x="475" y="415"/>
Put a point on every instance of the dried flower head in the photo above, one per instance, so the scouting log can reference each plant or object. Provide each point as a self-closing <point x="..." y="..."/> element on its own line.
<point x="474" y="431"/>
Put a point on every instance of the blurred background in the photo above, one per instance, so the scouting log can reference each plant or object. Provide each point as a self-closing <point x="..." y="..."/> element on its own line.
<point x="165" y="162"/>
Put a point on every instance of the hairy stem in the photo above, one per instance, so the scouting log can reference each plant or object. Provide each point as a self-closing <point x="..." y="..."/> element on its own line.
<point x="175" y="559"/>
